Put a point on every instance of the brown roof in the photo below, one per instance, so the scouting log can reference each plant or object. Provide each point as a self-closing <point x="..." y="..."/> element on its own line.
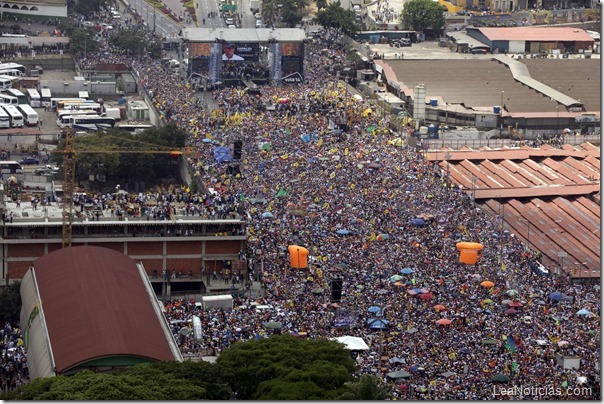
<point x="555" y="190"/>
<point x="579" y="85"/>
<point x="544" y="34"/>
<point x="479" y="83"/>
<point x="96" y="305"/>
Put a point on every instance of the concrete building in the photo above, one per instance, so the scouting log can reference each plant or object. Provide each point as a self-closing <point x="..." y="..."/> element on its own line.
<point x="36" y="9"/>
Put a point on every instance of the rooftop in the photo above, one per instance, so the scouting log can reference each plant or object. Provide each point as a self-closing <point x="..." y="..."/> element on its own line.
<point x="549" y="197"/>
<point x="547" y="34"/>
<point x="243" y="35"/>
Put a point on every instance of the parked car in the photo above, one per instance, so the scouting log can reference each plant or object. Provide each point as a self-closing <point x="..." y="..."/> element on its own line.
<point x="29" y="161"/>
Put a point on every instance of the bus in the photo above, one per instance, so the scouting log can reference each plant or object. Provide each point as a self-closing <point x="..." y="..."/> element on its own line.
<point x="45" y="97"/>
<point x="21" y="98"/>
<point x="29" y="115"/>
<point x="4" y="119"/>
<point x="33" y="98"/>
<point x="56" y="103"/>
<point x="135" y="127"/>
<point x="63" y="117"/>
<point x="11" y="72"/>
<point x="6" y="99"/>
<point x="16" y="118"/>
<point x="85" y="106"/>
<point x="90" y="122"/>
<point x="11" y="66"/>
<point x="66" y="104"/>
<point x="6" y="82"/>
<point x="11" y="167"/>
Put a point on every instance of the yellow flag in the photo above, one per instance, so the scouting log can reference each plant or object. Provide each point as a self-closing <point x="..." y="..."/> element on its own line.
<point x="256" y="179"/>
<point x="320" y="142"/>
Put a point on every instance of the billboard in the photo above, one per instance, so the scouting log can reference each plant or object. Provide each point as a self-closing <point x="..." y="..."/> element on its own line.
<point x="292" y="56"/>
<point x="240" y="52"/>
<point x="204" y="59"/>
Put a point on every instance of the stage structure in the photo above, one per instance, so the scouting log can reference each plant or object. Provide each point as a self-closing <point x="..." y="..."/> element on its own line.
<point x="262" y="55"/>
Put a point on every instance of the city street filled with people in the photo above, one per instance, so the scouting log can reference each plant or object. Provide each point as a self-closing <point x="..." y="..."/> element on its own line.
<point x="319" y="169"/>
<point x="352" y="199"/>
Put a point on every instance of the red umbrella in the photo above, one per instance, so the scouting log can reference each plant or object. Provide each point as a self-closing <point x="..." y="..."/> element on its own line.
<point x="439" y="307"/>
<point x="510" y="311"/>
<point x="426" y="296"/>
<point x="515" y="304"/>
<point x="443" y="321"/>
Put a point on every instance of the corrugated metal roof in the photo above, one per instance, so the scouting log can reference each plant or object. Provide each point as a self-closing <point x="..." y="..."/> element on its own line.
<point x="550" y="197"/>
<point x="96" y="305"/>
<point x="544" y="34"/>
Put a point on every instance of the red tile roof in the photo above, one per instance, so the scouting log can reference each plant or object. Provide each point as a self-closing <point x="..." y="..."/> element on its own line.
<point x="544" y="34"/>
<point x="555" y="190"/>
<point x="96" y="305"/>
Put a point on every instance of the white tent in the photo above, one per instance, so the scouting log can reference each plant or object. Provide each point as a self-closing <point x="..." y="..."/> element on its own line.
<point x="353" y="343"/>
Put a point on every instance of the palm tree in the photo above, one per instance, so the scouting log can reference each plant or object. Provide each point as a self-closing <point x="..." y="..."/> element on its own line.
<point x="367" y="387"/>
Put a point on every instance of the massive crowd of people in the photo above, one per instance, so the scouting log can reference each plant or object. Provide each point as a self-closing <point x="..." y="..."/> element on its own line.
<point x="332" y="181"/>
<point x="351" y="198"/>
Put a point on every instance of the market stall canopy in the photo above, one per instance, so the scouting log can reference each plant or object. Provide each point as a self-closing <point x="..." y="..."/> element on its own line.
<point x="353" y="343"/>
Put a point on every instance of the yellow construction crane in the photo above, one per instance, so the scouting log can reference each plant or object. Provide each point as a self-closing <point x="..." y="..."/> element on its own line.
<point x="69" y="172"/>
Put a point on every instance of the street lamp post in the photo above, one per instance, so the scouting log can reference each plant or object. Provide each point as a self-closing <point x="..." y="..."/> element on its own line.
<point x="447" y="158"/>
<point x="501" y="114"/>
<point x="382" y="311"/>
<point x="474" y="179"/>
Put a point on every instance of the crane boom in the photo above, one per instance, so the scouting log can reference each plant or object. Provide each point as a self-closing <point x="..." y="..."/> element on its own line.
<point x="69" y="173"/>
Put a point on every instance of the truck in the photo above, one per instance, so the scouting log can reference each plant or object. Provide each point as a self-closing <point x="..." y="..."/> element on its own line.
<point x="254" y="6"/>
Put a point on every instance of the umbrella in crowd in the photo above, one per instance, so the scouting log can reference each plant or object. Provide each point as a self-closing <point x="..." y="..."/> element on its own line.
<point x="267" y="215"/>
<point x="395" y="278"/>
<point x="273" y="325"/>
<point x="426" y="296"/>
<point x="343" y="232"/>
<point x="584" y="312"/>
<point x="510" y="311"/>
<point x="374" y="309"/>
<point x="515" y="304"/>
<point x="318" y="291"/>
<point x="512" y="293"/>
<point x="418" y="222"/>
<point x="377" y="324"/>
<point x="556" y="296"/>
<point x="406" y="271"/>
<point x="399" y="374"/>
<point x="487" y="284"/>
<point x="400" y="284"/>
<point x="443" y="321"/>
<point x="439" y="307"/>
<point x="500" y="378"/>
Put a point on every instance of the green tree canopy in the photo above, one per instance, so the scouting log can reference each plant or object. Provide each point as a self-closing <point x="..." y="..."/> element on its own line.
<point x="419" y="15"/>
<point x="334" y="16"/>
<point x="148" y="167"/>
<point x="133" y="41"/>
<point x="286" y="13"/>
<point x="367" y="387"/>
<point x="10" y="303"/>
<point x="140" y="382"/>
<point x="82" y="40"/>
<point x="286" y="368"/>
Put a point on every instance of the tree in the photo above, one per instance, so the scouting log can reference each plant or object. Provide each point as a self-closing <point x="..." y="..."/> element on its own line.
<point x="321" y="4"/>
<point x="367" y="387"/>
<point x="149" y="167"/>
<point x="286" y="12"/>
<point x="335" y="16"/>
<point x="141" y="382"/>
<point x="82" y="40"/>
<point x="283" y="367"/>
<point x="419" y="15"/>
<point x="10" y="303"/>
<point x="133" y="41"/>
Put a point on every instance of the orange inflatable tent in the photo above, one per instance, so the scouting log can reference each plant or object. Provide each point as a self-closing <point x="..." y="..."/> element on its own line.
<point x="468" y="252"/>
<point x="298" y="256"/>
